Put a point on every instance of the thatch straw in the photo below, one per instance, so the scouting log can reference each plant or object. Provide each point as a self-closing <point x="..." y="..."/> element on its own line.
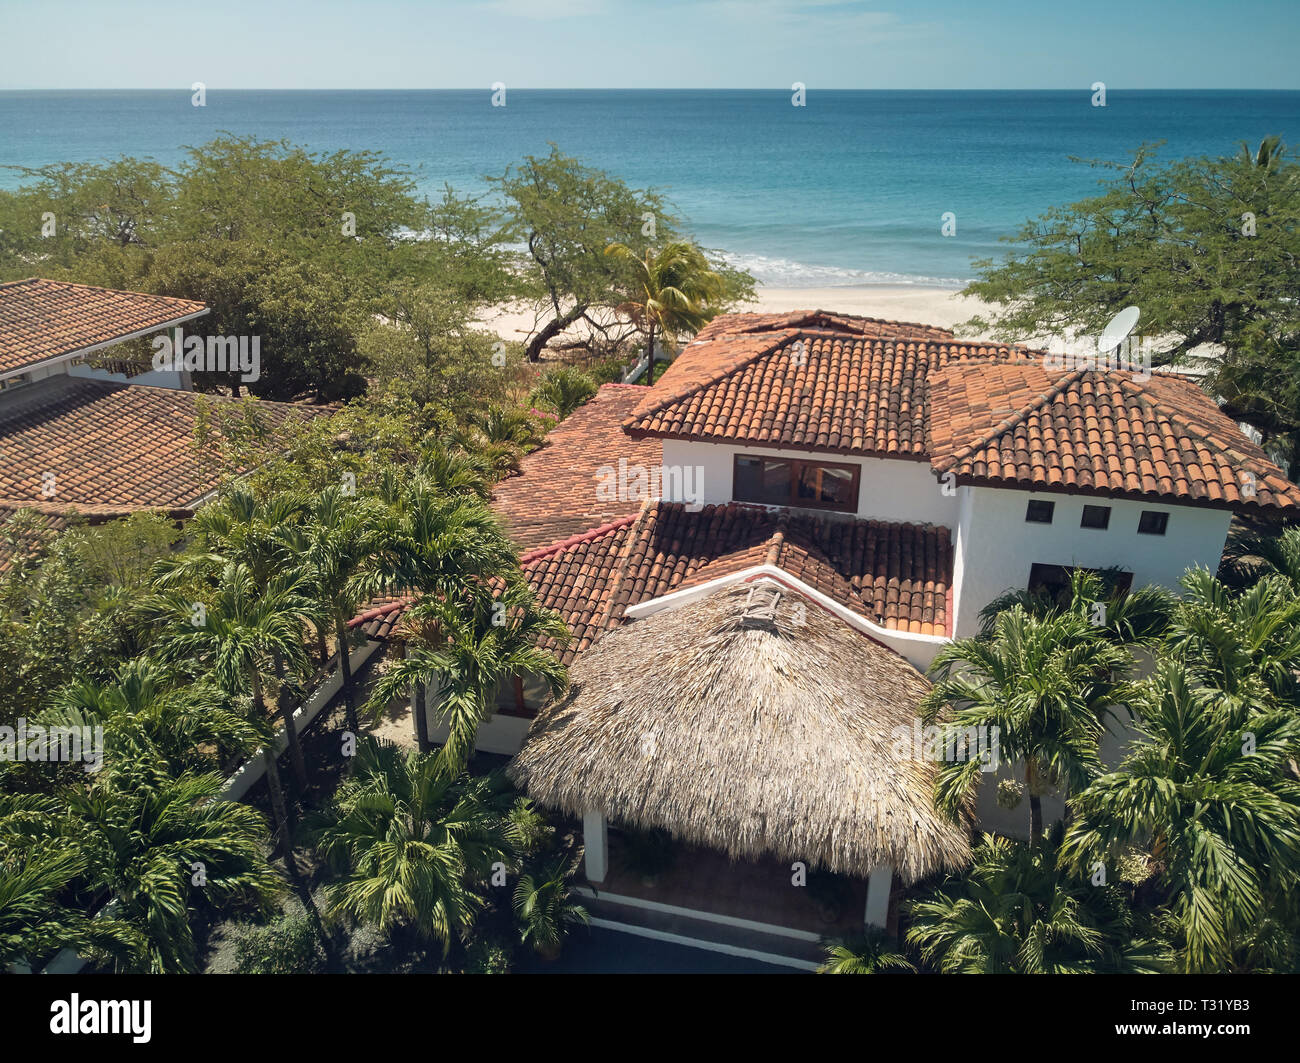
<point x="753" y="736"/>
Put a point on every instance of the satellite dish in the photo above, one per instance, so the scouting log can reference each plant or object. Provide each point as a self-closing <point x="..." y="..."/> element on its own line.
<point x="1120" y="328"/>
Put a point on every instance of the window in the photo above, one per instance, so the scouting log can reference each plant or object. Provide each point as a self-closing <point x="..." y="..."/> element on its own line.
<point x="1053" y="581"/>
<point x="15" y="381"/>
<point x="796" y="482"/>
<point x="1039" y="511"/>
<point x="1152" y="522"/>
<point x="1095" y="517"/>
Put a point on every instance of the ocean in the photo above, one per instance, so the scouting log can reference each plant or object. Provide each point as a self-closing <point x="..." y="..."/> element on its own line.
<point x="850" y="189"/>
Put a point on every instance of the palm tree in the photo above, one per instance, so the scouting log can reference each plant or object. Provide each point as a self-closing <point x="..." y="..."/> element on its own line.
<point x="144" y="710"/>
<point x="1247" y="646"/>
<point x="563" y="390"/>
<point x="469" y="643"/>
<point x="1013" y="912"/>
<point x="414" y="842"/>
<point x="245" y="630"/>
<point x="38" y="870"/>
<point x="675" y="291"/>
<point x="870" y="952"/>
<point x="498" y="437"/>
<point x="455" y="473"/>
<point x="545" y="907"/>
<point x="1211" y="783"/>
<point x="441" y="544"/>
<point x="1127" y="618"/>
<point x="344" y="555"/>
<point x="1249" y="556"/>
<point x="1270" y="151"/>
<point x="160" y="845"/>
<point x="1045" y="685"/>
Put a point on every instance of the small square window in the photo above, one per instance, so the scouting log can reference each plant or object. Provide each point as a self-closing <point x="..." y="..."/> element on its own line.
<point x="1152" y="522"/>
<point x="1039" y="511"/>
<point x="1095" y="517"/>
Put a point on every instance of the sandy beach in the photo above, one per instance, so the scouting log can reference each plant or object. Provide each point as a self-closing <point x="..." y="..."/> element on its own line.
<point x="927" y="306"/>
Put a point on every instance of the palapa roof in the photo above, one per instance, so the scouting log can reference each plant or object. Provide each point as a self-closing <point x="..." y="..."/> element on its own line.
<point x="748" y="730"/>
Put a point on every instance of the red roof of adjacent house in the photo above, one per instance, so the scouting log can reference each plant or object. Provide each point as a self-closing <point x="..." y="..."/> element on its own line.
<point x="74" y="441"/>
<point x="827" y="390"/>
<point x="1099" y="432"/>
<point x="555" y="493"/>
<point x="42" y="319"/>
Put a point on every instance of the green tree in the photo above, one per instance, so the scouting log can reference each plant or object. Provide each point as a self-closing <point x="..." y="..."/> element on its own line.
<point x="414" y="843"/>
<point x="465" y="646"/>
<point x="871" y="952"/>
<point x="544" y="905"/>
<point x="1211" y="784"/>
<point x="675" y="290"/>
<point x="1013" y="912"/>
<point x="37" y="874"/>
<point x="1046" y="686"/>
<point x="161" y="847"/>
<point x="1208" y="248"/>
<point x="563" y="389"/>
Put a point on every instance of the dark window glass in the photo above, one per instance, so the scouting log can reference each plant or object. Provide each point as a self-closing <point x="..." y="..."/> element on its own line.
<point x="825" y="485"/>
<point x="763" y="480"/>
<point x="1039" y="511"/>
<point x="1095" y="517"/>
<point x="794" y="482"/>
<point x="1152" y="522"/>
<point x="1053" y="581"/>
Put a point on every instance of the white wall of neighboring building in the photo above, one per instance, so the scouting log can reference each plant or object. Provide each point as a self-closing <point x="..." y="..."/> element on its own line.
<point x="890" y="488"/>
<point x="154" y="378"/>
<point x="997" y="546"/>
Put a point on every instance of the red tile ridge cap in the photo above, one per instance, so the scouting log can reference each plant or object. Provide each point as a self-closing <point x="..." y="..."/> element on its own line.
<point x="769" y="342"/>
<point x="1037" y="402"/>
<point x="574" y="540"/>
<point x="378" y="611"/>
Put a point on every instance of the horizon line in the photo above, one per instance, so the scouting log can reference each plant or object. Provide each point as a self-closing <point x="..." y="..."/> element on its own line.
<point x="608" y="88"/>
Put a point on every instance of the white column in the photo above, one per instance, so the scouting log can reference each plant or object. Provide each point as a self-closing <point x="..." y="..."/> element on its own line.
<point x="178" y="338"/>
<point x="878" y="885"/>
<point x="595" y="836"/>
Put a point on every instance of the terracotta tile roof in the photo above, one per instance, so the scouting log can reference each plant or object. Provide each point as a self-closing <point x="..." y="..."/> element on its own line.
<point x="1101" y="432"/>
<point x="827" y="390"/>
<point x="42" y="319"/>
<point x="108" y="444"/>
<point x="381" y="617"/>
<point x="555" y="494"/>
<point x="576" y="578"/>
<point x="825" y="320"/>
<point x="897" y="575"/>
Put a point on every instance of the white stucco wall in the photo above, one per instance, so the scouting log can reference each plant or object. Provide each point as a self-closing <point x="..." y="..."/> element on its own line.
<point x="890" y="488"/>
<point x="154" y="378"/>
<point x="997" y="546"/>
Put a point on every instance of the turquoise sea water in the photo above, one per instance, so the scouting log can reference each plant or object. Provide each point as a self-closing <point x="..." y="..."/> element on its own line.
<point x="849" y="189"/>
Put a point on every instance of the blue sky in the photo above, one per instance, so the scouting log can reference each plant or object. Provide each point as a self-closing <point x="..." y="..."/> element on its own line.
<point x="651" y="44"/>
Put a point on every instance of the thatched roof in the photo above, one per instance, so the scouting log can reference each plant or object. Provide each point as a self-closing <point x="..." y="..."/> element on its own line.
<point x="754" y="734"/>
